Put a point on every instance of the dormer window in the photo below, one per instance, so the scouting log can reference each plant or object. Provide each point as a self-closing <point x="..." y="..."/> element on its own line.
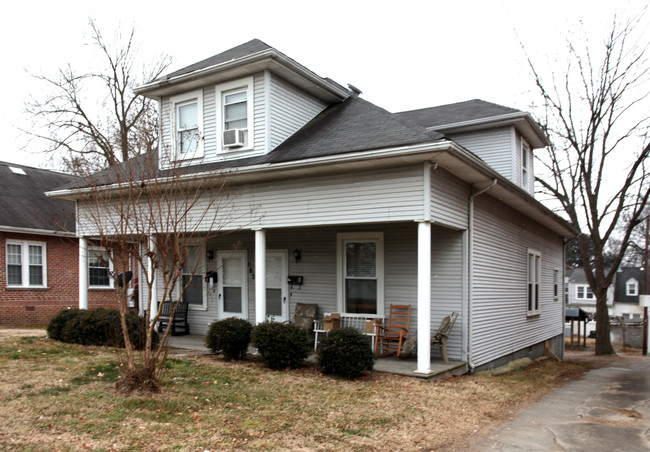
<point x="632" y="288"/>
<point x="188" y="123"/>
<point x="525" y="153"/>
<point x="235" y="100"/>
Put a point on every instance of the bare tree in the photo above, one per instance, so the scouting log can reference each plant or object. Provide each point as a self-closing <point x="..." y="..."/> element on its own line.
<point x="150" y="219"/>
<point x="89" y="136"/>
<point x="596" y="115"/>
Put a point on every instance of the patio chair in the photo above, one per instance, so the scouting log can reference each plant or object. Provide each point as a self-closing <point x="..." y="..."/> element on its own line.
<point x="304" y="316"/>
<point x="390" y="338"/>
<point x="438" y="338"/>
<point x="180" y="318"/>
<point x="441" y="336"/>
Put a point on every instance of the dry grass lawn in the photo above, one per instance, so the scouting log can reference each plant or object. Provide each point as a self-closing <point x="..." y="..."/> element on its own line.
<point x="57" y="396"/>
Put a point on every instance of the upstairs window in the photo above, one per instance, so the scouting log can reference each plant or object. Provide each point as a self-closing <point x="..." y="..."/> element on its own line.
<point x="188" y="118"/>
<point x="525" y="155"/>
<point x="26" y="264"/>
<point x="235" y="114"/>
<point x="584" y="292"/>
<point x="632" y="288"/>
<point x="534" y="279"/>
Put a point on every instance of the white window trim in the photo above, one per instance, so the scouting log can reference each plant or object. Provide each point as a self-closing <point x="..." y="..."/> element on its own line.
<point x="525" y="169"/>
<point x="341" y="239"/>
<point x="634" y="283"/>
<point x="24" y="264"/>
<point x="200" y="271"/>
<point x="175" y="102"/>
<point x="111" y="280"/>
<point x="556" y="284"/>
<point x="586" y="291"/>
<point x="236" y="85"/>
<point x="537" y="283"/>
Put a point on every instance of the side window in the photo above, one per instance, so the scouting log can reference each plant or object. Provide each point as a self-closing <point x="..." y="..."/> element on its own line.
<point x="534" y="279"/>
<point x="235" y="115"/>
<point x="26" y="264"/>
<point x="525" y="163"/>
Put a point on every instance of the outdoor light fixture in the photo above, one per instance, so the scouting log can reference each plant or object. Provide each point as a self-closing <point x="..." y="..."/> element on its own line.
<point x="210" y="255"/>
<point x="296" y="255"/>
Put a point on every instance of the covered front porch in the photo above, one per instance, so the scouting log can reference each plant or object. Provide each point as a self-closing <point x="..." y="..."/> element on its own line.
<point x="195" y="345"/>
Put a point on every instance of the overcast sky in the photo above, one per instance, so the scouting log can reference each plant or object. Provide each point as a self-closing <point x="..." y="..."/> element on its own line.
<point x="403" y="54"/>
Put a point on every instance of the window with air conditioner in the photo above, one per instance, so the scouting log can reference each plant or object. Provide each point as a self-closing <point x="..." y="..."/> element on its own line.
<point x="235" y="114"/>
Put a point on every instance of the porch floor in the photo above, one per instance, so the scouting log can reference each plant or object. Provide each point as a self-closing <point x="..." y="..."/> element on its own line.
<point x="195" y="345"/>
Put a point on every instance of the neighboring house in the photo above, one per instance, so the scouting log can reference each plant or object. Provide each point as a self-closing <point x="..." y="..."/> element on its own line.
<point x="432" y="208"/>
<point x="39" y="250"/>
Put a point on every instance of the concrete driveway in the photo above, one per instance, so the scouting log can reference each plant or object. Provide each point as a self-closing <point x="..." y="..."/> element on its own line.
<point x="607" y="410"/>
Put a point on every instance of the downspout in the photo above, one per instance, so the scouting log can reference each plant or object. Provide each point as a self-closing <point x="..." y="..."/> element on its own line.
<point x="470" y="269"/>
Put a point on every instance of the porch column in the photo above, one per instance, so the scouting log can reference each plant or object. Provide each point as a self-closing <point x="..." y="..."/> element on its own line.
<point x="260" y="275"/>
<point x="83" y="273"/>
<point x="154" y="290"/>
<point x="424" y="298"/>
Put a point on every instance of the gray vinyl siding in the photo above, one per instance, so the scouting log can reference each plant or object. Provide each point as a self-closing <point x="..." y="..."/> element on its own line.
<point x="449" y="199"/>
<point x="166" y="127"/>
<point x="499" y="321"/>
<point x="494" y="147"/>
<point x="209" y="123"/>
<point x="259" y="113"/>
<point x="290" y="110"/>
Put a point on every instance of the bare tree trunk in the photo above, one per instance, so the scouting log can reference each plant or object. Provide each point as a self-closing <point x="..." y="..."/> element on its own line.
<point x="603" y="328"/>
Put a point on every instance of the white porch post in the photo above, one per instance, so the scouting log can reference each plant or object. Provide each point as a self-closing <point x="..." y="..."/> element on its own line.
<point x="424" y="298"/>
<point x="154" y="290"/>
<point x="83" y="273"/>
<point x="260" y="275"/>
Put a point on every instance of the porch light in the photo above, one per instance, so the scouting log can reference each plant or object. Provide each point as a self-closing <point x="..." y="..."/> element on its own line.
<point x="296" y="255"/>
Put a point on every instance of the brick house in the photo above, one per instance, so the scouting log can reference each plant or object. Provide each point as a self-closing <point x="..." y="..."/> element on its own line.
<point x="39" y="249"/>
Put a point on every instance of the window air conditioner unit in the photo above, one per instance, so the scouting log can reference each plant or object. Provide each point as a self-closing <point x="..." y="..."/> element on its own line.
<point x="234" y="138"/>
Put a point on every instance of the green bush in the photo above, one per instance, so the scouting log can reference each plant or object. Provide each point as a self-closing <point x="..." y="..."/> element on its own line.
<point x="281" y="345"/>
<point x="55" y="327"/>
<point x="230" y="337"/>
<point x="346" y="352"/>
<point x="97" y="327"/>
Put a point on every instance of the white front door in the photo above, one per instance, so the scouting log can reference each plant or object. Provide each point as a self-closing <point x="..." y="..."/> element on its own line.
<point x="232" y="288"/>
<point x="276" y="285"/>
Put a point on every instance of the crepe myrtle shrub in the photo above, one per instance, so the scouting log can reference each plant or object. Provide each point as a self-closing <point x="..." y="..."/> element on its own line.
<point x="281" y="345"/>
<point x="55" y="327"/>
<point x="346" y="352"/>
<point x="229" y="337"/>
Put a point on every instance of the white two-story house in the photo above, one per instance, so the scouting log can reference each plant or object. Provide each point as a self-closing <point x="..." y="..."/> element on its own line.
<point x="356" y="208"/>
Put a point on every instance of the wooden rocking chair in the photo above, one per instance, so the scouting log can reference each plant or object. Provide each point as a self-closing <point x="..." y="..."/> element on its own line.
<point x="391" y="337"/>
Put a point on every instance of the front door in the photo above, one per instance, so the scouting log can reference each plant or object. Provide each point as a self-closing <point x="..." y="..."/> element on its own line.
<point x="232" y="288"/>
<point x="276" y="285"/>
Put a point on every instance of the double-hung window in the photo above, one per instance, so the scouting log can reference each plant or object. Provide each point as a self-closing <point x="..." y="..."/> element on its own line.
<point x="99" y="268"/>
<point x="26" y="264"/>
<point x="188" y="118"/>
<point x="632" y="288"/>
<point x="360" y="262"/>
<point x="192" y="277"/>
<point x="584" y="292"/>
<point x="534" y="279"/>
<point x="235" y="114"/>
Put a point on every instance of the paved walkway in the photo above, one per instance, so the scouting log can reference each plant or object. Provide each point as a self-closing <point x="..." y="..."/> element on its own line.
<point x="607" y="410"/>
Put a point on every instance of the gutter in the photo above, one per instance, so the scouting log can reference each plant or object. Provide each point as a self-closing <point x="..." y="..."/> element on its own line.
<point x="47" y="232"/>
<point x="470" y="269"/>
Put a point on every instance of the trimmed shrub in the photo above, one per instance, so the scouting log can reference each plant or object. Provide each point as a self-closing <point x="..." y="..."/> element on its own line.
<point x="55" y="327"/>
<point x="97" y="327"/>
<point x="230" y="337"/>
<point x="281" y="345"/>
<point x="346" y="352"/>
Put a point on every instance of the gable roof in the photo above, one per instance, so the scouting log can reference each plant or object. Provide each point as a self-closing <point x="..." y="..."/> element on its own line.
<point x="23" y="204"/>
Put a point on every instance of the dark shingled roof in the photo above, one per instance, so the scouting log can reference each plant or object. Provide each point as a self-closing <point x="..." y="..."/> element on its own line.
<point x="354" y="125"/>
<point x="240" y="51"/>
<point x="23" y="203"/>
<point x="454" y="113"/>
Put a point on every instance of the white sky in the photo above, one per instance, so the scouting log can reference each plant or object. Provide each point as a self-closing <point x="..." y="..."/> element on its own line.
<point x="403" y="54"/>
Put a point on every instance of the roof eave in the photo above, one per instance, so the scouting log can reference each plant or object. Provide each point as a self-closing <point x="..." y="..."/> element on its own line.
<point x="270" y="59"/>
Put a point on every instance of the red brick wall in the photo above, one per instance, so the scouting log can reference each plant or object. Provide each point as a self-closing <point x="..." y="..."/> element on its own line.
<point x="29" y="306"/>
